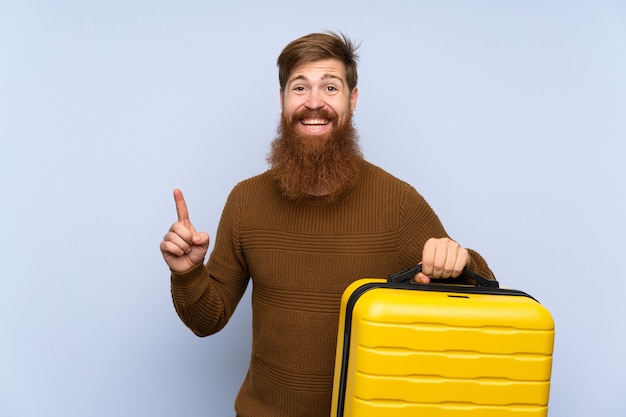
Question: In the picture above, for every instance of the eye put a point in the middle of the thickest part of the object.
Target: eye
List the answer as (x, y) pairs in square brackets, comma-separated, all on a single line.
[(298, 88), (332, 89)]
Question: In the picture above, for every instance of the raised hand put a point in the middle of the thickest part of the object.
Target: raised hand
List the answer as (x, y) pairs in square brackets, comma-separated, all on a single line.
[(182, 247), (442, 258)]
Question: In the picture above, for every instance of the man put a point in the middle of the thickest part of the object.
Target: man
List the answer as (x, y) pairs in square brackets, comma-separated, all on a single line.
[(318, 219)]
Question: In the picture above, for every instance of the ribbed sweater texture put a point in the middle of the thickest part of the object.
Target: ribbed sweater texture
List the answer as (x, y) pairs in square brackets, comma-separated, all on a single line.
[(300, 256)]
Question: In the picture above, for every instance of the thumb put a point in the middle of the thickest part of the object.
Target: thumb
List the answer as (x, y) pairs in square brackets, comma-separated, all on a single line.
[(421, 278), (201, 239)]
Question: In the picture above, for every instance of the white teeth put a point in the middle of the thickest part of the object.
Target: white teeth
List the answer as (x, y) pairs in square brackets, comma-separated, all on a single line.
[(315, 122)]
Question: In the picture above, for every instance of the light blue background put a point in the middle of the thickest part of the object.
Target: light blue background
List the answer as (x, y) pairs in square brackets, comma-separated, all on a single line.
[(508, 116)]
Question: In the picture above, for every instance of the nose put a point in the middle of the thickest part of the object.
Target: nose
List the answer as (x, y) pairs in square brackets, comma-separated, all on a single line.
[(314, 101)]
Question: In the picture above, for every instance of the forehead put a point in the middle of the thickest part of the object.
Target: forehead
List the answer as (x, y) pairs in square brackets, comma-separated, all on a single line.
[(319, 70)]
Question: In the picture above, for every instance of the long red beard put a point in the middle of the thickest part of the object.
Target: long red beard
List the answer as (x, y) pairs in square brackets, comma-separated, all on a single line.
[(310, 165)]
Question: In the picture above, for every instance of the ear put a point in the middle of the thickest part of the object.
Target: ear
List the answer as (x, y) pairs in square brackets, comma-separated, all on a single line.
[(281, 99), (353, 97)]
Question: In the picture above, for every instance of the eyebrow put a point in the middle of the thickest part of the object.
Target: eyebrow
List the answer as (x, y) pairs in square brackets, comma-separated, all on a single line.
[(324, 77)]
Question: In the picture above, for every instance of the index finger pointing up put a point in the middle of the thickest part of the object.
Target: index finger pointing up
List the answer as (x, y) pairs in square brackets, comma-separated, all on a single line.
[(181, 207)]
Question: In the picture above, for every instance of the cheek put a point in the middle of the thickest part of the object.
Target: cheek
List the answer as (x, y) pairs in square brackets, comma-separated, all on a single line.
[(344, 113), (289, 108), (342, 108), (291, 101)]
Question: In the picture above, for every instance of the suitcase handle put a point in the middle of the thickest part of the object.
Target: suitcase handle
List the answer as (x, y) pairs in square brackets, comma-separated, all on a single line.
[(467, 277)]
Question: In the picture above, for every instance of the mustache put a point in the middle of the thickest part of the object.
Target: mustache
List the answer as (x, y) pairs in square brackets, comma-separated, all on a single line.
[(314, 114)]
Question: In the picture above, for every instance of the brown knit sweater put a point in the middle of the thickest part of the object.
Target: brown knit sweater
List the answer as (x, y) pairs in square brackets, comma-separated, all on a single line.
[(300, 257)]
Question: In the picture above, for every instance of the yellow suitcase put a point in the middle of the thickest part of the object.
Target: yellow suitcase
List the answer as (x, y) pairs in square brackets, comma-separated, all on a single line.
[(407, 350)]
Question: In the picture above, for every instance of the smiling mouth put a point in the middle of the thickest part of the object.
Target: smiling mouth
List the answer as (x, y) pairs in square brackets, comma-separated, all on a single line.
[(315, 122)]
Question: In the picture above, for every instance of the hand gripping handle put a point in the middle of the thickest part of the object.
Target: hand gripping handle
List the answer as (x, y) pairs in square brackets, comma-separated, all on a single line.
[(467, 277)]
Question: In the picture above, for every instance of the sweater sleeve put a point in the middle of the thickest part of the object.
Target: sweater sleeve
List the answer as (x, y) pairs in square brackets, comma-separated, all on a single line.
[(206, 296), (418, 223)]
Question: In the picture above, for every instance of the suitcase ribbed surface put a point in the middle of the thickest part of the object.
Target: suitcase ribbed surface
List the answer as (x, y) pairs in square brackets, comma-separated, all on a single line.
[(446, 354)]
